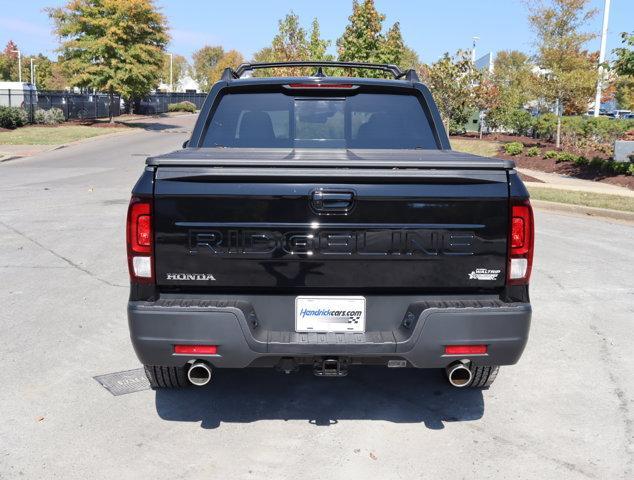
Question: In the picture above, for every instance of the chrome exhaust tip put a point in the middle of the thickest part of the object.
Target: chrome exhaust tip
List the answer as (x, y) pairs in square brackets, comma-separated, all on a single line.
[(199, 374), (459, 374)]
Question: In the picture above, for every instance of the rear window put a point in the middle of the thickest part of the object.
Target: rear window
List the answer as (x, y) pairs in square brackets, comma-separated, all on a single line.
[(276, 120)]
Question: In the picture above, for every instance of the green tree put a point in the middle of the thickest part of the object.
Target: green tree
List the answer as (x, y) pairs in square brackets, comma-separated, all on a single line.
[(393, 48), (364, 41), (264, 55), (205, 61), (513, 83), (317, 46), (48, 74), (230, 59), (42, 66), (112, 45), (289, 44), (569, 76), (625, 92), (59, 77), (9, 62), (292, 43), (452, 80), (624, 64), (180, 69), (410, 59), (512, 71)]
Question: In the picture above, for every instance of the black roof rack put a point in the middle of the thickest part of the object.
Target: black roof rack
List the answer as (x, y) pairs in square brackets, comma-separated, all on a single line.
[(410, 75)]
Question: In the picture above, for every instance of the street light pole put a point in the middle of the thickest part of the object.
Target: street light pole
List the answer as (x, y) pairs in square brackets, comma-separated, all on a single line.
[(171, 71), (604, 34), (473, 49), (19, 64)]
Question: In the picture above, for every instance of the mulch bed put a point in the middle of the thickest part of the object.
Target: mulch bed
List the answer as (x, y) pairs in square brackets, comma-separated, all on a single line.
[(549, 165), (96, 123)]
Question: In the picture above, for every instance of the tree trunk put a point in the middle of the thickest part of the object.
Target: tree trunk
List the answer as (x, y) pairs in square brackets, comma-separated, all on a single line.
[(110, 112), (480, 123), (558, 136)]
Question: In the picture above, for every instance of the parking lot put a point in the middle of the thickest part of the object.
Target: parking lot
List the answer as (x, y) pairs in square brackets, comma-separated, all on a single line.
[(565, 411)]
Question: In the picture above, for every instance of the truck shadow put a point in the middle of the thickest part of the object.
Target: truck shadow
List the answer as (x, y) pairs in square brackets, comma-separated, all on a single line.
[(367, 393)]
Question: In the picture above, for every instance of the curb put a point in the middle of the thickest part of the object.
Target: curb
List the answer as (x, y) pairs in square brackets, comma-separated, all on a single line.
[(583, 210), (17, 156)]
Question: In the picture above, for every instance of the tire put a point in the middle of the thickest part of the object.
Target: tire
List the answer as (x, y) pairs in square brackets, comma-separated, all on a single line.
[(166, 377), (483, 376)]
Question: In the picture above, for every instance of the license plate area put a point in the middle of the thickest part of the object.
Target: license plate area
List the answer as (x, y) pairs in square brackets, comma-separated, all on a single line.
[(329, 314)]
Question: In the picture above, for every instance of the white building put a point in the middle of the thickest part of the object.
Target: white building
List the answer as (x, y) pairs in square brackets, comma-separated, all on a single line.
[(184, 84)]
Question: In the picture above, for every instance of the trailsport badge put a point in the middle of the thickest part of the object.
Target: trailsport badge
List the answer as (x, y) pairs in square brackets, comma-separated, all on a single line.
[(484, 274)]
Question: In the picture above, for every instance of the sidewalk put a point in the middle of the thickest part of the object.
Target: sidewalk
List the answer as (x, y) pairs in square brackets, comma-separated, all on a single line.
[(562, 182), (8, 152)]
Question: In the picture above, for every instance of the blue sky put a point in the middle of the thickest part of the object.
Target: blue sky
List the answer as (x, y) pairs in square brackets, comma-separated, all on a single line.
[(429, 27)]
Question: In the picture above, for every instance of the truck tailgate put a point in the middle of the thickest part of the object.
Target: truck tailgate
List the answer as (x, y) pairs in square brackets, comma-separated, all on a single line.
[(326, 229)]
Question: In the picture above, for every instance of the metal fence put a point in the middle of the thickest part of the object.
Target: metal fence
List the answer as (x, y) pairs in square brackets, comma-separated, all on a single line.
[(73, 105), (158, 102), (91, 105)]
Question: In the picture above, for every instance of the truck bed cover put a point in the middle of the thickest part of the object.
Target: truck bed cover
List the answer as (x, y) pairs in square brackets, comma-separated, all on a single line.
[(340, 158)]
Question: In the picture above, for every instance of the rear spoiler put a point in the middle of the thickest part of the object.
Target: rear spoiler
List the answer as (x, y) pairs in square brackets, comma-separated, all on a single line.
[(410, 75)]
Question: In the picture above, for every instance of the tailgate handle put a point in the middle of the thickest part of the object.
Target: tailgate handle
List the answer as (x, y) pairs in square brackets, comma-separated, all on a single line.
[(332, 201)]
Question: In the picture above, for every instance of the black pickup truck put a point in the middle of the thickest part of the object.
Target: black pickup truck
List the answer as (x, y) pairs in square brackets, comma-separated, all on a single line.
[(325, 221)]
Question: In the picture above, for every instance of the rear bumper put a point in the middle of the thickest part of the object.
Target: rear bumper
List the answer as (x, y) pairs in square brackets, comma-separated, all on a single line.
[(244, 340)]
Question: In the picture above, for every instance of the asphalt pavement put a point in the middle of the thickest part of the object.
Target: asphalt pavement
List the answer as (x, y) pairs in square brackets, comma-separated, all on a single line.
[(565, 411)]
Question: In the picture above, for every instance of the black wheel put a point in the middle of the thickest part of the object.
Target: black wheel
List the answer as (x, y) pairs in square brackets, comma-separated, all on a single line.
[(483, 376), (166, 377)]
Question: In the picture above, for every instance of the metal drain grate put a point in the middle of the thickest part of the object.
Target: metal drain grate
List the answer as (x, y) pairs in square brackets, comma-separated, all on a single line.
[(120, 383)]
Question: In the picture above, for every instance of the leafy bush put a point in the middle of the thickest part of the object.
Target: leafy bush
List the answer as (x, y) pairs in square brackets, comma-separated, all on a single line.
[(619, 168), (550, 154), (12, 117), (545, 126), (532, 152), (565, 157), (49, 117), (596, 162), (582, 132), (592, 132), (55, 116), (39, 116), (181, 107), (514, 148), (520, 121), (581, 161)]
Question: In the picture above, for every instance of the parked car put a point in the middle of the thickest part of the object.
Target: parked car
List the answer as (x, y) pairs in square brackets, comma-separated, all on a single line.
[(620, 113), (326, 222)]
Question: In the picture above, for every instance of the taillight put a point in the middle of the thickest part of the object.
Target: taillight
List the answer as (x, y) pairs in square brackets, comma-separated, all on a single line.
[(320, 85), (140, 237), (521, 242)]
